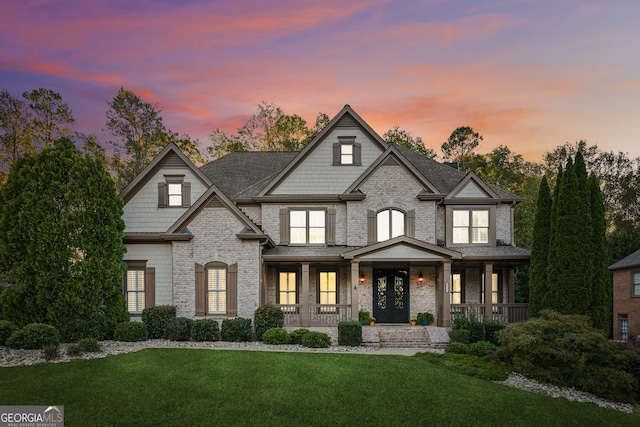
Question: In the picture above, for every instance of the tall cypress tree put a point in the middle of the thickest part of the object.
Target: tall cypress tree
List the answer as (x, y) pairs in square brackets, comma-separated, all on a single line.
[(570, 254), (538, 288), (61, 233), (601, 288)]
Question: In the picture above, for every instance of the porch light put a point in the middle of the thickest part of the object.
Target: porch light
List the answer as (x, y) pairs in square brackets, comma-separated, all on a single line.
[(361, 277), (420, 277)]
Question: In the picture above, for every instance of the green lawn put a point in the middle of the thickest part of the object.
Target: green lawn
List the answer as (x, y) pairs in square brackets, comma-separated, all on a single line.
[(194, 387)]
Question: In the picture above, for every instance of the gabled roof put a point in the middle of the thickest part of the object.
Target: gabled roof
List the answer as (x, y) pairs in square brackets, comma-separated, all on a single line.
[(250, 230), (472, 177), (346, 115), (403, 240), (170, 156), (392, 153), (628, 262)]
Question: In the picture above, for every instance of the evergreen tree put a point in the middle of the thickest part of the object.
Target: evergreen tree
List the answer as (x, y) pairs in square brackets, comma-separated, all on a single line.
[(61, 232), (569, 252), (601, 300), (540, 249)]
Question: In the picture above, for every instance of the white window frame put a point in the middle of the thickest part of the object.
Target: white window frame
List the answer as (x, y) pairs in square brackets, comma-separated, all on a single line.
[(288, 290), (328, 290), (390, 223), (623, 323), (456, 288), (135, 290), (465, 232), (635, 284), (346, 153), (305, 227), (216, 290)]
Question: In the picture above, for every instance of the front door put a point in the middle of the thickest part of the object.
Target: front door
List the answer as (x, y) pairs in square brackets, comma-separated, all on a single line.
[(391, 296)]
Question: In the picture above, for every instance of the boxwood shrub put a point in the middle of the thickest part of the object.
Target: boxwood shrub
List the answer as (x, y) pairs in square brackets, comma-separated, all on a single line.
[(457, 348), (482, 348), (266, 317), (236, 329), (205, 330), (156, 319), (89, 345), (295, 337), (178, 329), (34, 336), (350, 333), (276, 336), (314, 339), (6, 329), (130, 332)]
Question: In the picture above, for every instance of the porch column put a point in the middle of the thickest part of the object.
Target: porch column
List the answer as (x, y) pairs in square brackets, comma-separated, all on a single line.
[(488, 279), (510, 280), (444, 294), (355, 277), (304, 296)]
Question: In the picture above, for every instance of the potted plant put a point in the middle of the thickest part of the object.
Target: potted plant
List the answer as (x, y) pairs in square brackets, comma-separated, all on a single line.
[(425, 318), (363, 317), (372, 321), (413, 321)]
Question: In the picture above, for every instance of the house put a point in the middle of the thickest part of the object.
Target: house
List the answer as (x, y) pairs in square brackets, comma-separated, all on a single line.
[(350, 222), (626, 297)]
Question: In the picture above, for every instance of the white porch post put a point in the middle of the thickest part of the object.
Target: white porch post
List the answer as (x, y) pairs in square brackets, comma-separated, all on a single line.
[(444, 294), (355, 277), (304, 296), (488, 280)]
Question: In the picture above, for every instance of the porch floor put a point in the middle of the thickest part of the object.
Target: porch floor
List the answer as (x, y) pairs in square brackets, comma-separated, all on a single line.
[(394, 336)]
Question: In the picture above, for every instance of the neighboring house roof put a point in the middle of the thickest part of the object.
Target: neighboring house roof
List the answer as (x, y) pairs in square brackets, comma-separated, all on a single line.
[(631, 261)]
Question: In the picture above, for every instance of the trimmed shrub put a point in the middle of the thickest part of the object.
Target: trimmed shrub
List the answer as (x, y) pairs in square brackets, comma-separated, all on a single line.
[(457, 348), (460, 335), (205, 330), (34, 336), (275, 336), (314, 339), (89, 345), (236, 329), (50, 352), (491, 329), (156, 319), (73, 330), (296, 336), (6, 329), (350, 333), (481, 348), (266, 317), (178, 329), (130, 332), (567, 351), (74, 350)]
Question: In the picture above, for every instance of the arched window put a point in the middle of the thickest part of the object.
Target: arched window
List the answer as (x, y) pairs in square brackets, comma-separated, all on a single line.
[(390, 224)]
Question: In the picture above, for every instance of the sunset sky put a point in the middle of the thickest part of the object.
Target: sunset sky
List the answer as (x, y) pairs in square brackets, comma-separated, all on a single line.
[(529, 74)]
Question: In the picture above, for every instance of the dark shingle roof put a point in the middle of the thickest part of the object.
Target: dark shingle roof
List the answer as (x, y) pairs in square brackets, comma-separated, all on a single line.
[(631, 261), (242, 174)]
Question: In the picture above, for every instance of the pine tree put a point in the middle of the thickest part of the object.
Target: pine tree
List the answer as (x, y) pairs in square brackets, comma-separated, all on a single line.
[(538, 288), (570, 254), (601, 300), (61, 233)]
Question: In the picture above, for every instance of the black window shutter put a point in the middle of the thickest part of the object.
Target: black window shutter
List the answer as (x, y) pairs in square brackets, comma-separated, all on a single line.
[(163, 195), (336, 154), (411, 223), (232, 290), (372, 227), (149, 287), (284, 226), (186, 194), (331, 227), (357, 154), (201, 291)]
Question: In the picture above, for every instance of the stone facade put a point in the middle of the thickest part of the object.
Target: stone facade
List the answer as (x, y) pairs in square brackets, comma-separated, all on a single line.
[(625, 304)]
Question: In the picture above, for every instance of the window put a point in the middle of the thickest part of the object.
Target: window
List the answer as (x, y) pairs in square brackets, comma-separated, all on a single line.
[(174, 192), (347, 152), (287, 290), (635, 284), (328, 290), (307, 226), (135, 291), (623, 322), (390, 224), (495, 289), (216, 290), (470, 226), (456, 288)]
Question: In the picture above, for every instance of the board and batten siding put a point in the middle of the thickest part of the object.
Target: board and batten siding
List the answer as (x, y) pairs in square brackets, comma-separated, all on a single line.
[(141, 213), (316, 174), (159, 257)]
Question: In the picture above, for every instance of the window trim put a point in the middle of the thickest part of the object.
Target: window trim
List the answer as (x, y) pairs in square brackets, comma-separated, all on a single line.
[(390, 235), (470, 208), (295, 291), (164, 196), (462, 288), (222, 267), (307, 226), (497, 292), (633, 284), (319, 292), (148, 275), (621, 317), (356, 151)]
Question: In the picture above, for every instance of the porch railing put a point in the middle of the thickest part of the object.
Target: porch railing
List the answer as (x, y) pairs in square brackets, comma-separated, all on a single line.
[(319, 314), (508, 313)]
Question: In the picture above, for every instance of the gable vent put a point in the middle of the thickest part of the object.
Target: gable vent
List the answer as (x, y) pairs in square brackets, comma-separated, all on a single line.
[(214, 203), (347, 122), (172, 160)]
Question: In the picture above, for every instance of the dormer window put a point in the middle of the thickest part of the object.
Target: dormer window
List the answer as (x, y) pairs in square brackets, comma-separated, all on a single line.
[(471, 226), (347, 152), (174, 192)]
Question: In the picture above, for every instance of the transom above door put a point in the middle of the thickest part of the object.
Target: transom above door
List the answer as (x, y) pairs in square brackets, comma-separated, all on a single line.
[(391, 296)]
